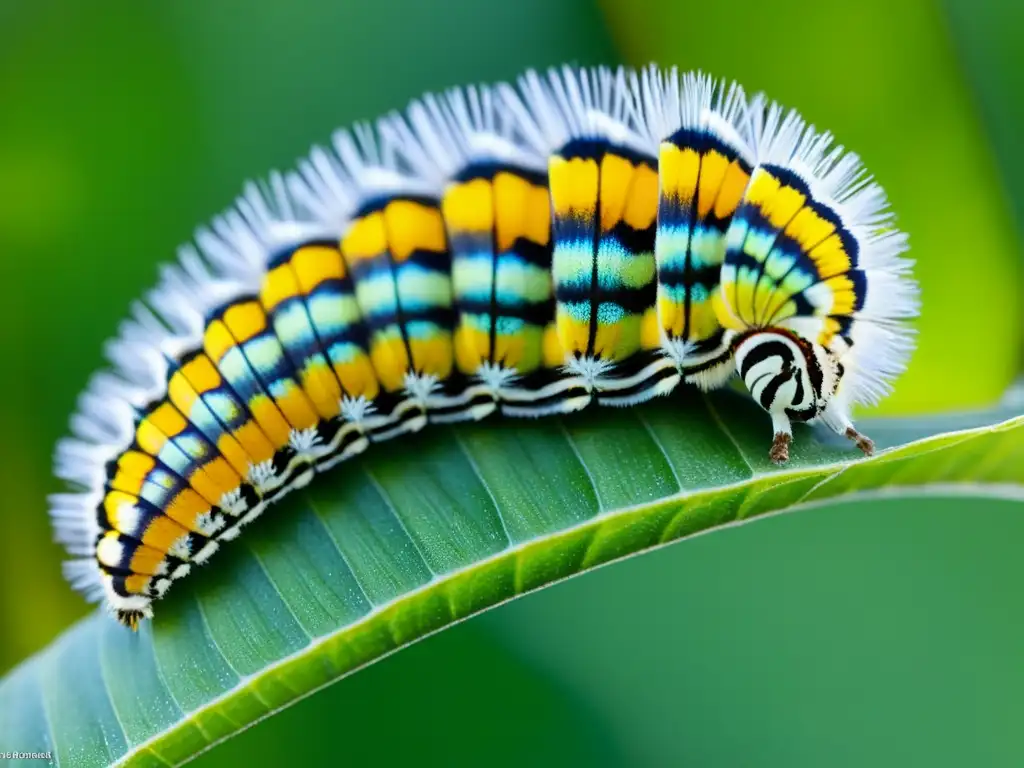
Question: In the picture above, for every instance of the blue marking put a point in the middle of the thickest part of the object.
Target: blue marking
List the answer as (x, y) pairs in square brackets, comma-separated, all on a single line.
[(609, 313), (225, 408), (578, 310), (509, 326)]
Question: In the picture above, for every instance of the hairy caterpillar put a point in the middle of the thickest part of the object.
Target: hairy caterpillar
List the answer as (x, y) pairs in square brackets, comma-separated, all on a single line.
[(584, 236)]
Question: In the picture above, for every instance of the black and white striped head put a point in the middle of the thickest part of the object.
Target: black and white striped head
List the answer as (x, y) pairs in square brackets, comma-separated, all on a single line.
[(794, 379), (787, 374)]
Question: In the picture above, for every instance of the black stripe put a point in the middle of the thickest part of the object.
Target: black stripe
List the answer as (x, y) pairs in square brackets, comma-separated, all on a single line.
[(771, 391), (528, 251), (798, 394), (610, 398), (596, 149), (443, 317), (217, 313), (712, 342), (635, 301), (437, 261), (488, 169), (380, 202), (634, 241), (707, 276), (471, 243), (538, 314), (327, 429), (537, 254), (703, 142), (762, 352), (814, 372), (802, 414), (284, 255), (382, 263)]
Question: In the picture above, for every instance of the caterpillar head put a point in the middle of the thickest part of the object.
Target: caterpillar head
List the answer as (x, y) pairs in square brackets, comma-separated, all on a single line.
[(794, 379)]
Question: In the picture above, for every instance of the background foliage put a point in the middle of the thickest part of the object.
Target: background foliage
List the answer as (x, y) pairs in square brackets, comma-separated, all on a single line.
[(872, 632)]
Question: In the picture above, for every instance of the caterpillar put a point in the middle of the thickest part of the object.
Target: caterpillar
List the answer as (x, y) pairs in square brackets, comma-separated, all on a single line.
[(581, 236)]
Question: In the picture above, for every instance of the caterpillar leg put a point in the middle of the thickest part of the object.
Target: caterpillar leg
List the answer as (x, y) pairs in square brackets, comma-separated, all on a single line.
[(783, 437), (839, 422), (865, 443)]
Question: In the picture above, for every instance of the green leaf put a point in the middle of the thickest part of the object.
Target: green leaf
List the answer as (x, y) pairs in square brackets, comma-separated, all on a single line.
[(430, 530)]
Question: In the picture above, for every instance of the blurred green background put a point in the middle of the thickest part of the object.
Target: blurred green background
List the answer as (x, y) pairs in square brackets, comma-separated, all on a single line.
[(870, 633)]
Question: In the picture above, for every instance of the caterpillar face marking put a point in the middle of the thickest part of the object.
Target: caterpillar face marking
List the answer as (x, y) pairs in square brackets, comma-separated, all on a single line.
[(794, 380), (530, 249)]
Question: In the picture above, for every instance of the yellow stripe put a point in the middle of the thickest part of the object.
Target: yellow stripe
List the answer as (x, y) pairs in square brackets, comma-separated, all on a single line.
[(722, 300), (315, 264), (366, 238), (358, 377), (703, 320), (217, 340), (781, 209), (616, 175), (321, 386), (523, 210), (273, 424), (279, 284), (185, 507), (135, 463), (432, 356), (763, 187), (146, 560), (413, 226), (223, 476), (149, 438), (828, 332), (137, 584), (235, 454), (472, 347), (672, 314), (573, 335), (712, 172), (245, 320), (830, 257), (162, 533), (167, 419), (574, 186), (619, 340), (678, 169), (764, 292), (650, 330), (202, 374), (296, 408), (252, 439), (112, 503), (390, 359), (642, 205), (844, 298), (554, 352), (808, 228), (469, 207), (127, 481), (181, 392), (522, 351), (731, 191)]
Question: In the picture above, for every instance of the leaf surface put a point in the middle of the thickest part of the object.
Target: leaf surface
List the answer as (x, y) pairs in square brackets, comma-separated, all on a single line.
[(426, 531)]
